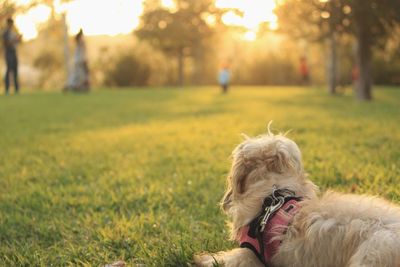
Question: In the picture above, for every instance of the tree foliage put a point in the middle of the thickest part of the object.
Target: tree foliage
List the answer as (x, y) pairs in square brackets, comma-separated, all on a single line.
[(180, 31), (368, 21), (9, 8), (127, 70), (312, 20), (319, 20), (315, 19)]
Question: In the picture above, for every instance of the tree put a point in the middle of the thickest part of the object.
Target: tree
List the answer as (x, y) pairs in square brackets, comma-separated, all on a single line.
[(58, 24), (181, 31), (52, 42), (370, 22), (127, 69), (319, 20), (10, 8), (7, 9)]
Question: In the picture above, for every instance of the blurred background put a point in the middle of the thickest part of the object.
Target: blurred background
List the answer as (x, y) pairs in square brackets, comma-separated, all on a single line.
[(158, 43), (135, 169)]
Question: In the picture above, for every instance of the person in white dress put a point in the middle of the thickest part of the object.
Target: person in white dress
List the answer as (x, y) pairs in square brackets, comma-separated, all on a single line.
[(79, 78)]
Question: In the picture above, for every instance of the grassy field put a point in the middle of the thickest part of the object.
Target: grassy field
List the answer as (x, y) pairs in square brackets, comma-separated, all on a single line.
[(137, 175)]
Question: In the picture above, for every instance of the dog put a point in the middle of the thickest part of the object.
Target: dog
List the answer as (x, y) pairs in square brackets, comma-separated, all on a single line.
[(334, 230)]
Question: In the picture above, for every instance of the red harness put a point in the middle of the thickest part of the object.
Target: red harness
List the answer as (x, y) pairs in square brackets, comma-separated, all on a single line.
[(264, 242)]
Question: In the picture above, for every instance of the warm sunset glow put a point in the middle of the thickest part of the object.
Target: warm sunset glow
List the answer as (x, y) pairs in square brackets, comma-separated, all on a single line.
[(168, 3), (106, 17), (112, 17), (27, 23), (250, 36), (253, 14)]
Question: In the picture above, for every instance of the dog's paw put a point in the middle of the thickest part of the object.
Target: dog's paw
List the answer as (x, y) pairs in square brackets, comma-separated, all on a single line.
[(116, 264), (206, 260)]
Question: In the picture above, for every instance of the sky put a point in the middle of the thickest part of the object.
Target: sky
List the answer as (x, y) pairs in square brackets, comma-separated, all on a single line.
[(112, 17)]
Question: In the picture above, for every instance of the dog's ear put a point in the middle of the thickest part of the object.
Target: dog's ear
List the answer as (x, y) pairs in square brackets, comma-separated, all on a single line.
[(238, 174)]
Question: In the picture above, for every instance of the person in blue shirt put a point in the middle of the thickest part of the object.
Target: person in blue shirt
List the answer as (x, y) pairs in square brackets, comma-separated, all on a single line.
[(223, 79), (10, 40)]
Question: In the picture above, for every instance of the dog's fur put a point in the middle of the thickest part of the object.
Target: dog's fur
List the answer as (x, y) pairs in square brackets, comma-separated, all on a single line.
[(331, 231)]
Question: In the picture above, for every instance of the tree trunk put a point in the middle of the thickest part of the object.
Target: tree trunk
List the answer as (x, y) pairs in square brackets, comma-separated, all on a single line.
[(364, 55), (197, 65), (181, 66), (332, 65), (66, 48)]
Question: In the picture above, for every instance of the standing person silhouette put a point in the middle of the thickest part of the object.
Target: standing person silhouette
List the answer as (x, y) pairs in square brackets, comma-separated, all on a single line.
[(304, 71), (223, 78), (79, 80), (10, 40)]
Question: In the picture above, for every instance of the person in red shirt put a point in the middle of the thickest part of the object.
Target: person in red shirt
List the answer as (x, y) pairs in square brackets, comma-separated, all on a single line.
[(304, 71)]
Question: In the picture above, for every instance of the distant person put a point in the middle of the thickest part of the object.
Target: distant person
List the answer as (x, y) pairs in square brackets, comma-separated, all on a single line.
[(10, 40), (223, 79), (304, 71), (79, 79), (355, 73)]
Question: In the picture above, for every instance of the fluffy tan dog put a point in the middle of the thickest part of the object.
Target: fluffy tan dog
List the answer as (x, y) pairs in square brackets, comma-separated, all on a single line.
[(335, 230)]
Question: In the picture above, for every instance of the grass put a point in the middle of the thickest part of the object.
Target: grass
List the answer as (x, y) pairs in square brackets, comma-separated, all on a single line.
[(136, 175)]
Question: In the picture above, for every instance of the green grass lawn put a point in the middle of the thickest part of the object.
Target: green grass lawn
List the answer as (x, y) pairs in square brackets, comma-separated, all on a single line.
[(137, 175)]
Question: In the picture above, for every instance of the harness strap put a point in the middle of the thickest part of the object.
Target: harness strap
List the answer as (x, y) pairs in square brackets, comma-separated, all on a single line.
[(256, 237)]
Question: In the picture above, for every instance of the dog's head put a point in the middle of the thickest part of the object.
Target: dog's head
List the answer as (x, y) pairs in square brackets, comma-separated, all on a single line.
[(259, 164)]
